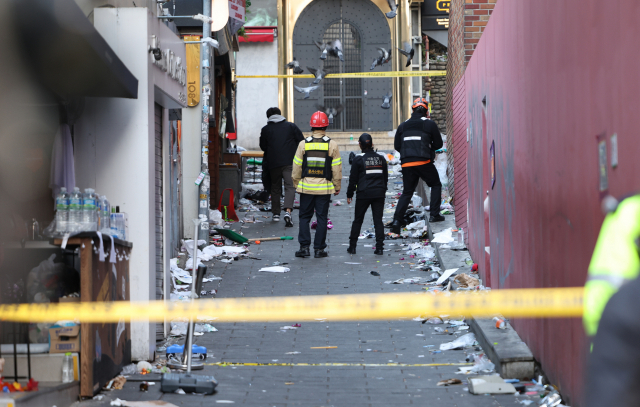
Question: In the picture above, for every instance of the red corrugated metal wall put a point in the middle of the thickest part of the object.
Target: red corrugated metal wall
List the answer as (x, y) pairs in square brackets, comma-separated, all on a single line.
[(555, 74), (459, 151)]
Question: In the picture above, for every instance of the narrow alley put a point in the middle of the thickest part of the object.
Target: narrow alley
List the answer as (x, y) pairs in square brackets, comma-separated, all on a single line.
[(367, 363)]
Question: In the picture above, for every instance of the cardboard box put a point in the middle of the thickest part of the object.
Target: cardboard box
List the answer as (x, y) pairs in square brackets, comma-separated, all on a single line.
[(64, 339)]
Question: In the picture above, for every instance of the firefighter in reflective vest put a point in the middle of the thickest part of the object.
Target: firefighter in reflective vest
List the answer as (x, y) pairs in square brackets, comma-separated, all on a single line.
[(317, 173), (615, 259), (417, 140), (369, 176)]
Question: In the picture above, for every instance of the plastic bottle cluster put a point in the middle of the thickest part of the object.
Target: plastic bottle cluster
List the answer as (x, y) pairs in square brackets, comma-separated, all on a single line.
[(78, 212)]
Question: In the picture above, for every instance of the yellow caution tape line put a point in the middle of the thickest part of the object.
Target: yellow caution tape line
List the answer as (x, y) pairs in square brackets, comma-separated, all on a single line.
[(253, 364), (523, 303), (387, 74)]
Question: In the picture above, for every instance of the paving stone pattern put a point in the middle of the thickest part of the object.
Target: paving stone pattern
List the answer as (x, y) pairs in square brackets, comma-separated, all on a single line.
[(358, 343)]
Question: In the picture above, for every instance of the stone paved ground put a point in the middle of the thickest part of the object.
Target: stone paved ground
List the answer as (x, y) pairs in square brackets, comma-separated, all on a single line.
[(360, 345)]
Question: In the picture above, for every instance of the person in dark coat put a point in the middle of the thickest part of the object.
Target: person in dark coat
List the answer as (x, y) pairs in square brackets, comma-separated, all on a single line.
[(369, 176), (416, 140), (279, 140)]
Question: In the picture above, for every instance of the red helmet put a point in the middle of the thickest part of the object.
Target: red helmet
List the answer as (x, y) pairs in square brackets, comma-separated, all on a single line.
[(319, 119), (420, 102)]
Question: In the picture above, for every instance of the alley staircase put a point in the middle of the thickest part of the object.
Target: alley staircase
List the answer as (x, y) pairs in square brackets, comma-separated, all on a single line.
[(381, 140)]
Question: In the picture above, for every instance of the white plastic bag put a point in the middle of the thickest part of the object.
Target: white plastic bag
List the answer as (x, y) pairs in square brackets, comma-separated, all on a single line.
[(215, 218), (461, 342), (416, 200)]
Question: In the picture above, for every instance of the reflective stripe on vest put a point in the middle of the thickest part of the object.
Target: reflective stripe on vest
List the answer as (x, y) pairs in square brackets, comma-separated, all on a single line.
[(336, 161), (615, 281), (316, 187), (316, 161), (413, 138), (374, 171), (297, 161)]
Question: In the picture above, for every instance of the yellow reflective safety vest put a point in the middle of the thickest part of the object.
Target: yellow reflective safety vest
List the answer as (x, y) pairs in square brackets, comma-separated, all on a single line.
[(317, 166), (615, 260)]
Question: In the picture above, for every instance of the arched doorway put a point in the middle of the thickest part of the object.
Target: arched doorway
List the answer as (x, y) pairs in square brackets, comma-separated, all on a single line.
[(362, 29)]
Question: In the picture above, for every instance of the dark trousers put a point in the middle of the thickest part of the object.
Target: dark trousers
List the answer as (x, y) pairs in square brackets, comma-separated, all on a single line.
[(278, 175), (377, 207), (410, 177), (308, 204)]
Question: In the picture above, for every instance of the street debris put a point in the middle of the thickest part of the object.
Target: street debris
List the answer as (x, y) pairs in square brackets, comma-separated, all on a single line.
[(466, 281), (374, 273), (460, 343), (275, 269), (449, 382), (490, 385)]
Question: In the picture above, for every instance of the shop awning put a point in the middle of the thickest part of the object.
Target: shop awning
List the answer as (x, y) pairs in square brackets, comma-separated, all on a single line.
[(258, 34), (66, 53)]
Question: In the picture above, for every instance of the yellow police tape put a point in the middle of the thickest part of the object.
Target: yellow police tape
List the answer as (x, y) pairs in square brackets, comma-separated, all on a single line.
[(253, 364), (526, 303), (387, 74)]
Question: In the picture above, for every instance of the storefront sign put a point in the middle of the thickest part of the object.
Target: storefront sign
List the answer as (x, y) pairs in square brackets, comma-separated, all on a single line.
[(435, 14), (237, 10), (170, 63), (193, 70)]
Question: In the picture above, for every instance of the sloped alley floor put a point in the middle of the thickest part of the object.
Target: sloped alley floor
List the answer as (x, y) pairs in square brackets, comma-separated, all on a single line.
[(356, 373)]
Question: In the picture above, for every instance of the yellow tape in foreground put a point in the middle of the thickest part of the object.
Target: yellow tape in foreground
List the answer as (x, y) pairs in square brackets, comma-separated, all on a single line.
[(387, 74), (534, 303)]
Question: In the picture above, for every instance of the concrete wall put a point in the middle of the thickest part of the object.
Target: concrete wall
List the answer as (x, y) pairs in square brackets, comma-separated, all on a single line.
[(255, 96), (550, 91), (115, 151)]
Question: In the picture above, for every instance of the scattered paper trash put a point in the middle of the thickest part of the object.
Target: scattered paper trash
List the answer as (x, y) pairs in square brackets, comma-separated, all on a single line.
[(445, 275), (275, 269), (461, 342), (443, 237)]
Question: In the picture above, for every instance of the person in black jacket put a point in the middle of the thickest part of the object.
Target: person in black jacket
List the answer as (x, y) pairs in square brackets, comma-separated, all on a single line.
[(369, 176), (279, 140), (417, 140)]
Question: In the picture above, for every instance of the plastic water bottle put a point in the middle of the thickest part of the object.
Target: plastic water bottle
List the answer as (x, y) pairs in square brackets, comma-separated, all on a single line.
[(351, 138), (89, 210), (67, 368), (75, 211), (62, 211), (113, 223), (105, 215)]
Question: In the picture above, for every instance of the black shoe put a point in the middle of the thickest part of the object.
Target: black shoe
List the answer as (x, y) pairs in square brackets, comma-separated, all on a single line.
[(351, 249), (303, 252), (379, 251), (395, 227), (320, 253), (437, 218)]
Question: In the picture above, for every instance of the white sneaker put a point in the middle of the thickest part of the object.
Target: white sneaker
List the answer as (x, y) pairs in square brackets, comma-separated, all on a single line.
[(288, 220), (276, 218)]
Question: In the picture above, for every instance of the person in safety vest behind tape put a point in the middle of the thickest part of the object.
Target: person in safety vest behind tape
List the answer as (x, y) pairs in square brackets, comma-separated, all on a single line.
[(615, 258), (417, 139), (369, 176), (611, 304), (317, 173)]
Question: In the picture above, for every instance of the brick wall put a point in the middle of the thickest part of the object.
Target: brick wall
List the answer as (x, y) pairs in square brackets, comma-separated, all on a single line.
[(467, 20)]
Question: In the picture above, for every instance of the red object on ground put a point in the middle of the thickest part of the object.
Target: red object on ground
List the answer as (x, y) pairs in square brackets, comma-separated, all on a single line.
[(228, 211), (232, 136), (258, 34), (474, 267)]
